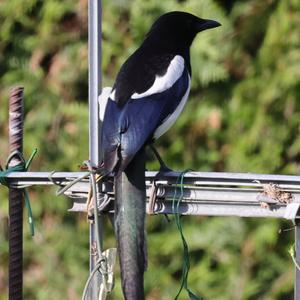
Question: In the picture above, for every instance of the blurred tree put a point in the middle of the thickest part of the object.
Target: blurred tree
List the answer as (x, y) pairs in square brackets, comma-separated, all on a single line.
[(242, 115)]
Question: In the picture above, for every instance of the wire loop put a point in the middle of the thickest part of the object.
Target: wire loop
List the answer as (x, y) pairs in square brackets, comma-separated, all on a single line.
[(186, 260), (21, 166)]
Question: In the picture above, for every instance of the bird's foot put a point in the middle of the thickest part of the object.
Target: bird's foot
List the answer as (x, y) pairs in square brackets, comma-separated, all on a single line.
[(163, 167), (162, 172)]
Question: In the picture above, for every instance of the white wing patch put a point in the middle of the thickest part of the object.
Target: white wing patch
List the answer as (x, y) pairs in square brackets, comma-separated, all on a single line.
[(162, 83), (170, 120), (102, 100)]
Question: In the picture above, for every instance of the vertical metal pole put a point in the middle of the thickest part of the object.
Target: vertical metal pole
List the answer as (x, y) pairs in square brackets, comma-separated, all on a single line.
[(297, 271), (94, 45), (15, 264), (94, 78)]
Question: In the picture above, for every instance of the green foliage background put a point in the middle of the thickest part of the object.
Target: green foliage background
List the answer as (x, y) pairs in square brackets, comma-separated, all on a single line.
[(243, 115)]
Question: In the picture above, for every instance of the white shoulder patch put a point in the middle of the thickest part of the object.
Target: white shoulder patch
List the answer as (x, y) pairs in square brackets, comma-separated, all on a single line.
[(162, 83), (102, 100)]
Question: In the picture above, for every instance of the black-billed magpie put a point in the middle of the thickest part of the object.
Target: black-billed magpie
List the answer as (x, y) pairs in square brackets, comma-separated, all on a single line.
[(149, 94), (151, 88)]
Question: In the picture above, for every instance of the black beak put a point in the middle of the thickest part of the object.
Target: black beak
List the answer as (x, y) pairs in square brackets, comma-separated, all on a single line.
[(207, 24)]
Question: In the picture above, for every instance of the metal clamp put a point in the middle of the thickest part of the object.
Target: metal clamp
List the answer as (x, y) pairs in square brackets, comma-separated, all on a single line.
[(152, 198)]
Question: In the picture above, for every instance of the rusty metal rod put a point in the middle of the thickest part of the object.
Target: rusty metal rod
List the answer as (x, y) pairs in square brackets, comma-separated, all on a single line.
[(15, 268)]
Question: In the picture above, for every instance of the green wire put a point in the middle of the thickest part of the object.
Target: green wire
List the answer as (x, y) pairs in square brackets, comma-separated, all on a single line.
[(3, 174), (29, 212), (31, 157), (26, 195), (23, 166), (186, 259), (292, 253)]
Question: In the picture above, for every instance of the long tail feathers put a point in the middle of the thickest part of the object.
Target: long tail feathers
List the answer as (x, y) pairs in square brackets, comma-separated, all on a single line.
[(130, 203)]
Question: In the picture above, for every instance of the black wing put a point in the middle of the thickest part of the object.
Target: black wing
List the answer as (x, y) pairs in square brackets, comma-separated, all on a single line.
[(138, 73), (128, 128)]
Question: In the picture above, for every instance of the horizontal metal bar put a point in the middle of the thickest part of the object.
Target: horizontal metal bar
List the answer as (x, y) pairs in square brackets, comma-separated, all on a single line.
[(190, 177), (193, 194), (212, 202), (219, 210), (226, 177), (218, 190), (42, 178), (213, 209), (204, 193), (219, 194)]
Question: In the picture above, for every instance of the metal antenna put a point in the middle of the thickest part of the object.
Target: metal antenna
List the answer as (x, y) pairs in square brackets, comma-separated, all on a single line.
[(94, 45)]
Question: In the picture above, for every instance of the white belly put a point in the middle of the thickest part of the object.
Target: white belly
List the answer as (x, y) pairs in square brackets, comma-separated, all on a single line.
[(170, 120)]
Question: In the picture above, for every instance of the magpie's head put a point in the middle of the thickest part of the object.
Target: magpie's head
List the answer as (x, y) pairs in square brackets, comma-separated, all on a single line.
[(179, 28)]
